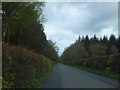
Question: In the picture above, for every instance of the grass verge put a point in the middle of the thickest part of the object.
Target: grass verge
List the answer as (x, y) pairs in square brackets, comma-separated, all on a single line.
[(38, 83), (102, 73)]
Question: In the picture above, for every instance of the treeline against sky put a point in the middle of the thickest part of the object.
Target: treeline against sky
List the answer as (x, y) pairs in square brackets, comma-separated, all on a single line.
[(27, 54), (23, 24), (101, 54)]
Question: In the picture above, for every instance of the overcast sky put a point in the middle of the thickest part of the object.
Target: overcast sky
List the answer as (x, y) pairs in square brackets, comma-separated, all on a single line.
[(66, 21)]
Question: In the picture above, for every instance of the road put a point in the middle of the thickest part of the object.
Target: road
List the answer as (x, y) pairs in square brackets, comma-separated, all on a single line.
[(64, 76)]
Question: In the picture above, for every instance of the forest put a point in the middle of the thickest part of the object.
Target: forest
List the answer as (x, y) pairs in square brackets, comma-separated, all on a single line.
[(101, 54), (28, 57)]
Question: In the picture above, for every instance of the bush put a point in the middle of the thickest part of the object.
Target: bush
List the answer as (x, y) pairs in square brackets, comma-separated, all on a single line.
[(21, 66)]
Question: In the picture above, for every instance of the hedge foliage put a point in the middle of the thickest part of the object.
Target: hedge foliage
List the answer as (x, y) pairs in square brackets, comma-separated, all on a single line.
[(109, 63), (21, 66)]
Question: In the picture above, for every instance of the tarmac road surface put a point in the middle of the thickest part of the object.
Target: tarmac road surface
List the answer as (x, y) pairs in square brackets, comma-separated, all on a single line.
[(64, 76)]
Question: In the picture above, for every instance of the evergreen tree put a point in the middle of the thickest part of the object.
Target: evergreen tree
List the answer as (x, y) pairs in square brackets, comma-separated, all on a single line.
[(105, 39), (112, 40), (118, 44), (82, 39), (87, 44), (79, 39), (17, 17), (95, 38)]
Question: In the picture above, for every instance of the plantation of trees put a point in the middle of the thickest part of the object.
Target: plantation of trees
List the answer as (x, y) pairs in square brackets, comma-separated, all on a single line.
[(102, 54), (27, 54), (23, 24)]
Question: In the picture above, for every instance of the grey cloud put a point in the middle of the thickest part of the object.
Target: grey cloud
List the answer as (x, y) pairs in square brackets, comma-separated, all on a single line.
[(100, 14), (65, 21)]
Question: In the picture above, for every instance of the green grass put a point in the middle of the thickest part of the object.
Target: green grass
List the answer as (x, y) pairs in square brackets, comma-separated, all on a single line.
[(102, 73), (38, 83)]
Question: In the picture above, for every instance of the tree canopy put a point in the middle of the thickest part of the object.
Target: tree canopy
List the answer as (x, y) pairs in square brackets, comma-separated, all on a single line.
[(95, 53), (23, 24)]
